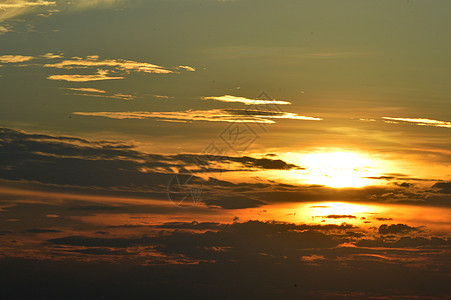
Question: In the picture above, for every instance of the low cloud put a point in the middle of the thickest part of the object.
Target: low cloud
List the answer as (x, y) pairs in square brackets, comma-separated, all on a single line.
[(396, 229), (247, 101)]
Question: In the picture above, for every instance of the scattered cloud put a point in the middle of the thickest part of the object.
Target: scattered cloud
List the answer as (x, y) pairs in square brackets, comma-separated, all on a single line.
[(163, 97), (15, 58), (396, 229), (214, 115), (420, 121), (247, 101), (89, 90), (52, 56), (187, 68), (119, 64), (101, 75)]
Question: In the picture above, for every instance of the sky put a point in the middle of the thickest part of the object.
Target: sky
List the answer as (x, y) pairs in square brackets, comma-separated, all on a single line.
[(225, 149)]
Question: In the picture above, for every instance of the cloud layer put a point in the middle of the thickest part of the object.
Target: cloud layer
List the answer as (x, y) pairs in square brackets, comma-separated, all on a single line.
[(214, 115), (247, 101)]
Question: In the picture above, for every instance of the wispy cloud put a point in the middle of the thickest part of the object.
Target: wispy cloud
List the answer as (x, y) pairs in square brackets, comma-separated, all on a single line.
[(94, 4), (214, 115), (163, 97), (21, 4), (15, 58), (13, 8), (51, 56), (89, 90), (101, 75), (187, 68), (92, 92), (114, 96), (247, 101), (420, 121), (120, 64)]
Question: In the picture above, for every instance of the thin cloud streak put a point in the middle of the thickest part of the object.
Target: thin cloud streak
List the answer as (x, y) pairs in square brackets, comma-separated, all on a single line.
[(214, 115), (101, 75), (120, 64), (89, 90), (247, 101), (420, 121)]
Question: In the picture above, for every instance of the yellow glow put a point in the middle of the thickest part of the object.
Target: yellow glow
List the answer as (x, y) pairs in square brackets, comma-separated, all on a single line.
[(339, 169), (340, 208)]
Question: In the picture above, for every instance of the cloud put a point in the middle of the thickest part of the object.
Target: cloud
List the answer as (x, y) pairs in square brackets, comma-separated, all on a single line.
[(113, 96), (20, 4), (101, 75), (51, 56), (13, 8), (444, 187), (89, 90), (420, 121), (94, 4), (340, 217), (187, 68), (214, 115), (247, 101), (40, 230), (396, 229), (120, 167), (15, 58), (119, 64)]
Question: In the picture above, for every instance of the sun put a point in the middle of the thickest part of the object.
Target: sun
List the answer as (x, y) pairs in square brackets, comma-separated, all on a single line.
[(338, 169)]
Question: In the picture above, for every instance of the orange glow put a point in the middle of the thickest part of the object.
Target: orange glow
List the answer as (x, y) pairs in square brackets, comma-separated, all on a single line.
[(339, 169)]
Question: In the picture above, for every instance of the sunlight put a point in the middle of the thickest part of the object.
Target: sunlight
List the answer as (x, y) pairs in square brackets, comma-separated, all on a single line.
[(338, 169), (340, 208)]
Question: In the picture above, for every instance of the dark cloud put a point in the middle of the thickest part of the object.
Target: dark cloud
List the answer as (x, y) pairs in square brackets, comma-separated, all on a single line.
[(340, 217), (68, 161), (396, 229), (444, 187), (256, 259), (94, 208)]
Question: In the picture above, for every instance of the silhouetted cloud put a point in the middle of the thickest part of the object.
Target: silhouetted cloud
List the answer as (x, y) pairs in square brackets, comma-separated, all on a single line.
[(444, 187), (396, 229)]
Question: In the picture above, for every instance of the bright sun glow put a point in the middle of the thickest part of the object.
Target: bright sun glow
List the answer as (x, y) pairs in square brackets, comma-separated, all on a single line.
[(340, 208), (338, 169)]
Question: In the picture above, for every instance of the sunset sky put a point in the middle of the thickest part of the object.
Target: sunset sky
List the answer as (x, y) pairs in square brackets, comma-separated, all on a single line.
[(231, 149)]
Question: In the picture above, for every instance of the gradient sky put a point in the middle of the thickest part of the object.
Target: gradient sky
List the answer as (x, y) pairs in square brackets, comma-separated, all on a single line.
[(272, 148)]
